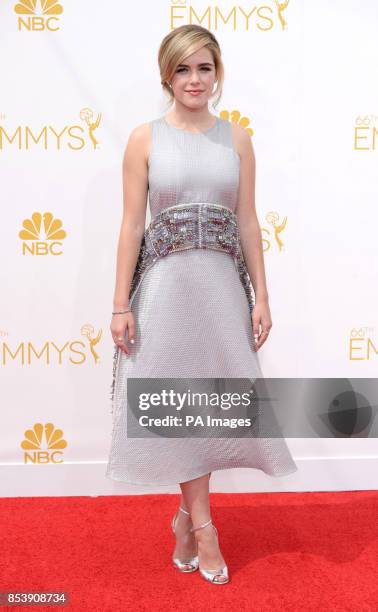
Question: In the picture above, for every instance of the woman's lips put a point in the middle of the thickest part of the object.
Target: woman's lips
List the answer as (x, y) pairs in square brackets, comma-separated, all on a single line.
[(194, 93)]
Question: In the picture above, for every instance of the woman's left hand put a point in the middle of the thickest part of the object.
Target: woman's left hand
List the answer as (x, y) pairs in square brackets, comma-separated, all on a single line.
[(261, 323)]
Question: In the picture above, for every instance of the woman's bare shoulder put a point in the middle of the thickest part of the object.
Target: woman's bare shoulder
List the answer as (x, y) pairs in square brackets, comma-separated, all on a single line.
[(141, 130), (140, 134), (241, 140), (140, 139)]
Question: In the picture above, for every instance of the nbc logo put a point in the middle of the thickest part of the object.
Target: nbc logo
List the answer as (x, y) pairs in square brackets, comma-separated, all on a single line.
[(38, 16), (236, 117), (42, 241), (43, 444)]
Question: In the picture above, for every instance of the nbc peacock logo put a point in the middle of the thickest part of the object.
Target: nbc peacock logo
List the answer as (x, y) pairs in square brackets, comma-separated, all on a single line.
[(235, 116), (43, 444), (36, 16), (42, 234), (263, 17)]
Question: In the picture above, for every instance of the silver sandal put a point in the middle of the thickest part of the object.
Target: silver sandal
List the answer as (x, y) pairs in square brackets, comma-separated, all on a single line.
[(208, 574), (184, 565)]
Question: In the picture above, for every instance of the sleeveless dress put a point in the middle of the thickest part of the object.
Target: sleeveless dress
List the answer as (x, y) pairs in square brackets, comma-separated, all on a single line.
[(192, 319)]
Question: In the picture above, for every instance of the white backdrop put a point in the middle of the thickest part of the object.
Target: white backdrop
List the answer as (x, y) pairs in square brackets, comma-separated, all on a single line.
[(75, 80)]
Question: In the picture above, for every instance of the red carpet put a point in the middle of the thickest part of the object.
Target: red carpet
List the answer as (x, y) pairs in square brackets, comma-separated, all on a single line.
[(285, 551)]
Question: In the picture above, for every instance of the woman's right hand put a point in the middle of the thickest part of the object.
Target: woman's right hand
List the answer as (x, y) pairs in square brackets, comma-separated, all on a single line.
[(121, 323)]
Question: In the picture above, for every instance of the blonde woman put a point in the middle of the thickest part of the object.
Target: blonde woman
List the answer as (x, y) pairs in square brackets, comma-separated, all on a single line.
[(190, 289)]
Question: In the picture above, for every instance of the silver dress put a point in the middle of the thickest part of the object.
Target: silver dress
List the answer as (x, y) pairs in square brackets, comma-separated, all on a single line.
[(192, 320)]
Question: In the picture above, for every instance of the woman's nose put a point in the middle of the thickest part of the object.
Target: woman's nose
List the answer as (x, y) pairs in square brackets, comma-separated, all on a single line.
[(194, 80)]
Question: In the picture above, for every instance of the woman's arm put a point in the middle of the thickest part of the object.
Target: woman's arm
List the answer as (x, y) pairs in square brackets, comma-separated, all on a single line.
[(135, 190), (249, 228), (250, 231)]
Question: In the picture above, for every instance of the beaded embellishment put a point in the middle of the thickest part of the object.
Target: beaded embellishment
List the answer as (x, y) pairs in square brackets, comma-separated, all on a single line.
[(189, 226)]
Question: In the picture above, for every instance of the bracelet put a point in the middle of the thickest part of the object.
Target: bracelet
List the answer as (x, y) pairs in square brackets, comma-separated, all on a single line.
[(121, 311)]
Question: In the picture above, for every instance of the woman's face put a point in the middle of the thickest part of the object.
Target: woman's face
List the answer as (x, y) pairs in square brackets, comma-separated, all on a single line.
[(193, 81)]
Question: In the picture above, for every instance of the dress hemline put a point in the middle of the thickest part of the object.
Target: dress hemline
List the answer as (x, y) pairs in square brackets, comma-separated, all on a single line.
[(196, 475)]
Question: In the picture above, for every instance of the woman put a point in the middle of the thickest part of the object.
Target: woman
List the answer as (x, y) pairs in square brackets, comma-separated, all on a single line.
[(183, 288)]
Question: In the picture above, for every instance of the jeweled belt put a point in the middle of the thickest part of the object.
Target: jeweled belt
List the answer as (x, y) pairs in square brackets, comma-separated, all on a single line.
[(192, 226), (188, 226)]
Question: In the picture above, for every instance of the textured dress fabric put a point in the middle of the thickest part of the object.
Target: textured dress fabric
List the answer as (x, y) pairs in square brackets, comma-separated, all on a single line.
[(192, 320)]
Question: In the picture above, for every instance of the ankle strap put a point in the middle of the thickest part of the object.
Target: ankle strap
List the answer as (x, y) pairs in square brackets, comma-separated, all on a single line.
[(201, 526), (184, 511)]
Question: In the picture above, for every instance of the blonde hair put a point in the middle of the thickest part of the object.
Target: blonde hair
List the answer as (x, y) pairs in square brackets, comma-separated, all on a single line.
[(180, 43)]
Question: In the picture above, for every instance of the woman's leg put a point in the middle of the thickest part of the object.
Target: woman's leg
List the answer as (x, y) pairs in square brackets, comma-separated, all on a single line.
[(182, 499), (186, 545), (195, 498)]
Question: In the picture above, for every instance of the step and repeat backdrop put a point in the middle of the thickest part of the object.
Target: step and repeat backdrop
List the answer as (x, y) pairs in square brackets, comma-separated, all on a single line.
[(76, 77)]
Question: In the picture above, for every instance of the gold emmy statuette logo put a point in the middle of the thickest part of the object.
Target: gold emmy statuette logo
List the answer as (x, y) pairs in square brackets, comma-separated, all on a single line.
[(237, 17), (361, 346), (86, 114), (281, 6), (365, 133), (42, 241), (47, 436), (87, 330), (38, 16), (273, 220)]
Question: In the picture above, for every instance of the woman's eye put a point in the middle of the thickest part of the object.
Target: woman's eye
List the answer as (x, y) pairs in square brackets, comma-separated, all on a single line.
[(205, 68)]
